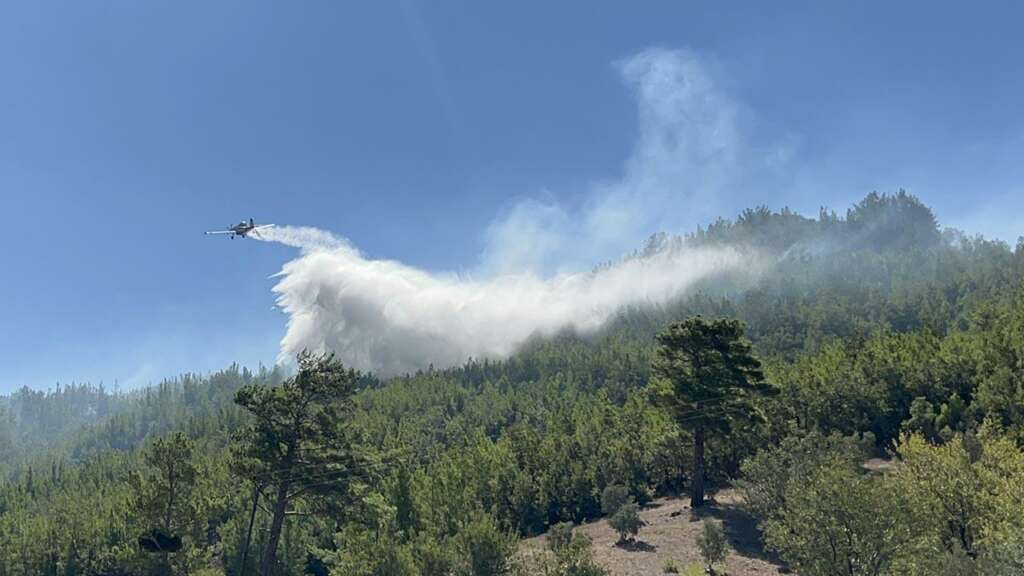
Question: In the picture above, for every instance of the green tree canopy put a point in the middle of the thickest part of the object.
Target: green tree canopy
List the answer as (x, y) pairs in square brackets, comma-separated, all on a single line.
[(707, 376), (301, 447)]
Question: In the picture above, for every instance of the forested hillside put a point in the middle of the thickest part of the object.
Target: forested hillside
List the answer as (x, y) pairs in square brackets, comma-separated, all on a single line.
[(878, 333)]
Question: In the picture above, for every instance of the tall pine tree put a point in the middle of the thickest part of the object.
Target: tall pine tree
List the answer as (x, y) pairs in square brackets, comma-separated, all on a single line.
[(300, 448), (707, 376)]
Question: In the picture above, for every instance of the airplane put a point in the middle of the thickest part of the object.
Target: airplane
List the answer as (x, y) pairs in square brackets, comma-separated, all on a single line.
[(243, 229)]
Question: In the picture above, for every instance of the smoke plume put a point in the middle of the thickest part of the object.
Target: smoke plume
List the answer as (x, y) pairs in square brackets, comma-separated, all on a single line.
[(391, 318), (687, 152)]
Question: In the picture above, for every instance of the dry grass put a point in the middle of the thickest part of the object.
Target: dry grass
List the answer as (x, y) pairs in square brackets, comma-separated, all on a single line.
[(671, 533)]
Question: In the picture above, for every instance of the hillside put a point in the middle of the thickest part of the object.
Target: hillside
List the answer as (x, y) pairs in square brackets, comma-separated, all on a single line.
[(881, 334)]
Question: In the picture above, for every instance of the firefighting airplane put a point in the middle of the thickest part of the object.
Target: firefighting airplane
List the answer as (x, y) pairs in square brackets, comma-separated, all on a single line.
[(243, 229)]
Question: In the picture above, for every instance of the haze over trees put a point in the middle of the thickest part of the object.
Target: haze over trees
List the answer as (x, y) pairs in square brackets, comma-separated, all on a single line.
[(883, 335)]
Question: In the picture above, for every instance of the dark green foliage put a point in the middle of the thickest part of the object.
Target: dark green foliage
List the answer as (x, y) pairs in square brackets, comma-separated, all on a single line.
[(707, 377), (165, 500), (485, 549), (300, 448), (613, 498), (570, 555), (626, 521), (164, 494), (623, 513), (560, 536)]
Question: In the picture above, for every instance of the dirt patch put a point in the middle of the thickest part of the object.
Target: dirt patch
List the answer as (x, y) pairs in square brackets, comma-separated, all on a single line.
[(671, 533)]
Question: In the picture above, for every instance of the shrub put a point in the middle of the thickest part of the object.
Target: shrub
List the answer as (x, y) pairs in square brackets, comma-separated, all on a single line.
[(627, 521), (485, 549), (560, 536), (712, 544), (571, 559)]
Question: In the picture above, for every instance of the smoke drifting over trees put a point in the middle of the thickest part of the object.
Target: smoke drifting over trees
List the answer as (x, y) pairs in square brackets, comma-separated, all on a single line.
[(390, 318)]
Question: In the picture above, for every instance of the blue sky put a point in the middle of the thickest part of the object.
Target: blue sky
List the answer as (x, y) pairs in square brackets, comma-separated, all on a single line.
[(417, 130)]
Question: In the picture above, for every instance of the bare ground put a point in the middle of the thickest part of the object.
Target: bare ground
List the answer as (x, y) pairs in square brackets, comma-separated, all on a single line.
[(671, 533)]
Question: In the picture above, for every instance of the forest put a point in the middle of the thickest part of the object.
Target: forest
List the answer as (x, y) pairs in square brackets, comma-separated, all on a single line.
[(874, 335)]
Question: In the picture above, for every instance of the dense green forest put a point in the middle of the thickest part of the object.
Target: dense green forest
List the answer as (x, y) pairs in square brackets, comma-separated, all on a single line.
[(873, 334)]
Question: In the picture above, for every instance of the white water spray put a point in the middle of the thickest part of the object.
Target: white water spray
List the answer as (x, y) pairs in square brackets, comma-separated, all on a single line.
[(390, 318)]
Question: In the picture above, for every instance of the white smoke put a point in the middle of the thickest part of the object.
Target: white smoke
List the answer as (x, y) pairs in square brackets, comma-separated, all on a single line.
[(687, 154), (302, 237), (390, 318)]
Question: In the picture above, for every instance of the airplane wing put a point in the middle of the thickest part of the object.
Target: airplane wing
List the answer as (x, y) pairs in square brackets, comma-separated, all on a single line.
[(220, 232), (256, 231)]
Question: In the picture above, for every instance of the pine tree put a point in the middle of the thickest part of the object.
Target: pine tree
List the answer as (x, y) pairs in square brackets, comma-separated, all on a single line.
[(300, 447), (706, 375), (164, 494)]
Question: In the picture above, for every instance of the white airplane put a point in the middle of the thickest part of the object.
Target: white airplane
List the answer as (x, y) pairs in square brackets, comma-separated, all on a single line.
[(243, 229)]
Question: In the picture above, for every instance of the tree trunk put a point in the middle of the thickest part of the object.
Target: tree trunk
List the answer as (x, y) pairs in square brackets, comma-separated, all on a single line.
[(697, 491), (168, 516), (248, 534), (268, 565)]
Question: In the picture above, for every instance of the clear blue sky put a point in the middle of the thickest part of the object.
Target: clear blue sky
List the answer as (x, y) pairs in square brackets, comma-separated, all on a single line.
[(128, 128)]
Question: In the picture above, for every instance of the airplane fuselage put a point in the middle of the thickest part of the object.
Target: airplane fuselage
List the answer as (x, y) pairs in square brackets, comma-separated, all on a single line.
[(242, 229)]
